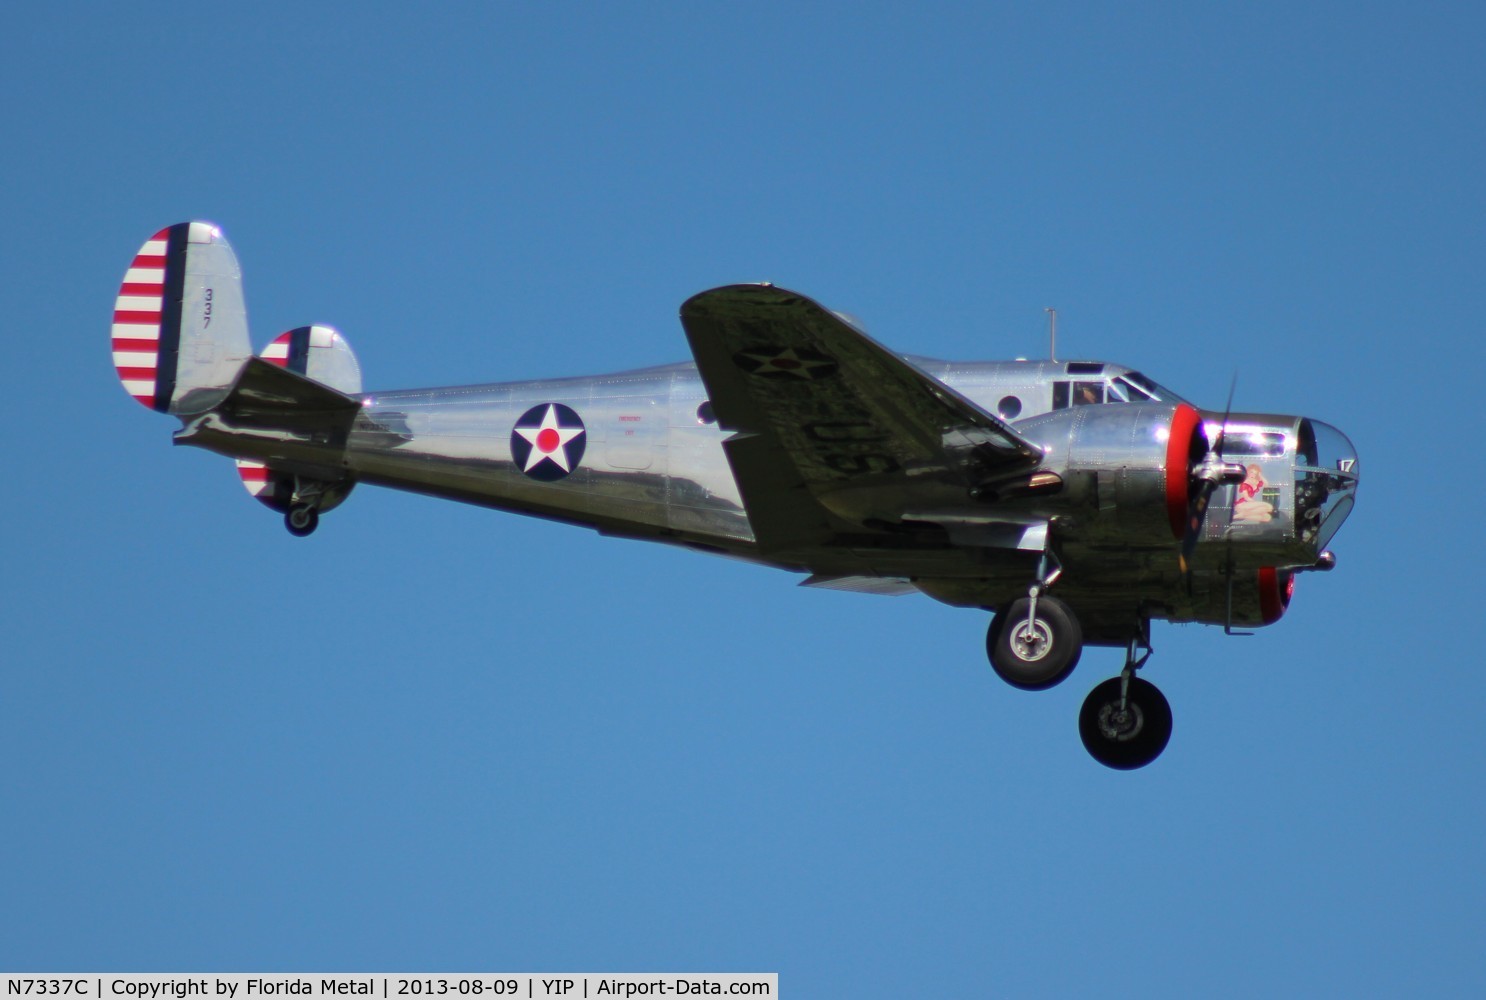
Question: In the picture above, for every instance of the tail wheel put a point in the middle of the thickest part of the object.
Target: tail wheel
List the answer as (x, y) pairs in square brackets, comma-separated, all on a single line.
[(1125, 731), (302, 520), (1036, 654)]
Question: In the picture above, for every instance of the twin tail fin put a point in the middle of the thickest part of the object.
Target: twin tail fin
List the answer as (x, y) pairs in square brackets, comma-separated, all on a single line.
[(181, 346), (180, 329)]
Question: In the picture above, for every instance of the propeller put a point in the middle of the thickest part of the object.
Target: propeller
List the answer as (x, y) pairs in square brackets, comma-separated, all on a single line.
[(1204, 476)]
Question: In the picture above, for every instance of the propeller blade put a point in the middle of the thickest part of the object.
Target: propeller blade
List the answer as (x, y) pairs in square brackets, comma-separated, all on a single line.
[(1227, 412), (1203, 479)]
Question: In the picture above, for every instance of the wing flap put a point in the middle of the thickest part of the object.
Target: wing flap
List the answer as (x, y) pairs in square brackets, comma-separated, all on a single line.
[(885, 586)]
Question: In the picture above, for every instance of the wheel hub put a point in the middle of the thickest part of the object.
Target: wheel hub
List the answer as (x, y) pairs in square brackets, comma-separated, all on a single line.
[(1031, 644), (1120, 724)]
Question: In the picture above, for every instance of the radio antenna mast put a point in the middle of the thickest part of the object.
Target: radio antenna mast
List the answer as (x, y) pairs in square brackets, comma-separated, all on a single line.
[(1052, 352)]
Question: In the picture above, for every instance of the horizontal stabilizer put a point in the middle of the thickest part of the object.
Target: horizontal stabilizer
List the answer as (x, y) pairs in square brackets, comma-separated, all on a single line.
[(284, 420), (267, 395), (320, 353)]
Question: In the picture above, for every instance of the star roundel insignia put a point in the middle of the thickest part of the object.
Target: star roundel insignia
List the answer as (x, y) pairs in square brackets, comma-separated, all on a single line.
[(547, 442), (785, 363)]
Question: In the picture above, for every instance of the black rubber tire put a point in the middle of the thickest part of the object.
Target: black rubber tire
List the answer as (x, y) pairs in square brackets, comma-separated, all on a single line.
[(1134, 740), (1052, 659), (302, 521)]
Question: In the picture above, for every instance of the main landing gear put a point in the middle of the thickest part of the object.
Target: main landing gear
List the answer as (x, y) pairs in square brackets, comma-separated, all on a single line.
[(1035, 642)]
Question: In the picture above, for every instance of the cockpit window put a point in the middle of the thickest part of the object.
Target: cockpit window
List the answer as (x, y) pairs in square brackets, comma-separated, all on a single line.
[(1131, 387), (1126, 391), (1153, 390)]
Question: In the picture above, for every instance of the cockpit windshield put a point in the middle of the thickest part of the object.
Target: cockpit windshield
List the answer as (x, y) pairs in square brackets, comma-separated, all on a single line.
[(1122, 390), (1129, 387), (1143, 389)]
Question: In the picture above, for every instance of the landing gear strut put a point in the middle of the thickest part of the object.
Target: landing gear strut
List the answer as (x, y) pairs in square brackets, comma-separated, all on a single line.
[(1126, 721), (1034, 642)]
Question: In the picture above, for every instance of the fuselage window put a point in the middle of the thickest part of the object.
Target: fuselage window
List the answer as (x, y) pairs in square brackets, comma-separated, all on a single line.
[(1010, 407), (1067, 394), (1261, 442)]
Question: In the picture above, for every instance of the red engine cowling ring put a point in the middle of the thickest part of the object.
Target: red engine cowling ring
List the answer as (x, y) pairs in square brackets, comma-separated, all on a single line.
[(1186, 435), (1276, 587)]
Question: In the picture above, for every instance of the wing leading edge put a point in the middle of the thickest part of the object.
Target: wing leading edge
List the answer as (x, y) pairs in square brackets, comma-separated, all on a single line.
[(835, 434)]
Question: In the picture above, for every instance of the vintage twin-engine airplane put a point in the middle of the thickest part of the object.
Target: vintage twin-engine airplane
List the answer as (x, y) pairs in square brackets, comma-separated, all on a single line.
[(1075, 500)]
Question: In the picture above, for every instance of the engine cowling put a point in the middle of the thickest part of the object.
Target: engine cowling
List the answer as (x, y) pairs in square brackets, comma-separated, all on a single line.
[(1129, 468)]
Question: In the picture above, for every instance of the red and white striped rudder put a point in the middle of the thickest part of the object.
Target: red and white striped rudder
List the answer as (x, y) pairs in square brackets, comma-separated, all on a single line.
[(180, 329)]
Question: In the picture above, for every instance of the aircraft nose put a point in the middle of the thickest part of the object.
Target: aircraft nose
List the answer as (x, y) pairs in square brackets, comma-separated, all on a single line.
[(1326, 475)]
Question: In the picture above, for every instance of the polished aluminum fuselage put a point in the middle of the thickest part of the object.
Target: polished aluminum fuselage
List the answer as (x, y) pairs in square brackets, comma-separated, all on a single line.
[(653, 467)]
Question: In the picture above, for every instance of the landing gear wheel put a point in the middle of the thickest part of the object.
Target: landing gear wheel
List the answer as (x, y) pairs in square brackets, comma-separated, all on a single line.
[(1038, 654), (301, 520), (1125, 733)]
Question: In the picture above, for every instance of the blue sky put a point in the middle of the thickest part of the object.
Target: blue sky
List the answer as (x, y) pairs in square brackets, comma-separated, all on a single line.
[(433, 737)]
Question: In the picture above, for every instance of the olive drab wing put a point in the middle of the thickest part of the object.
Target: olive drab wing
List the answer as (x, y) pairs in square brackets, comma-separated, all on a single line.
[(833, 434)]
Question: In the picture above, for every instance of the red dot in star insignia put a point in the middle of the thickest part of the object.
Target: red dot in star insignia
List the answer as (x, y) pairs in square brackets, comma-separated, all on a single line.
[(786, 363), (547, 441)]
